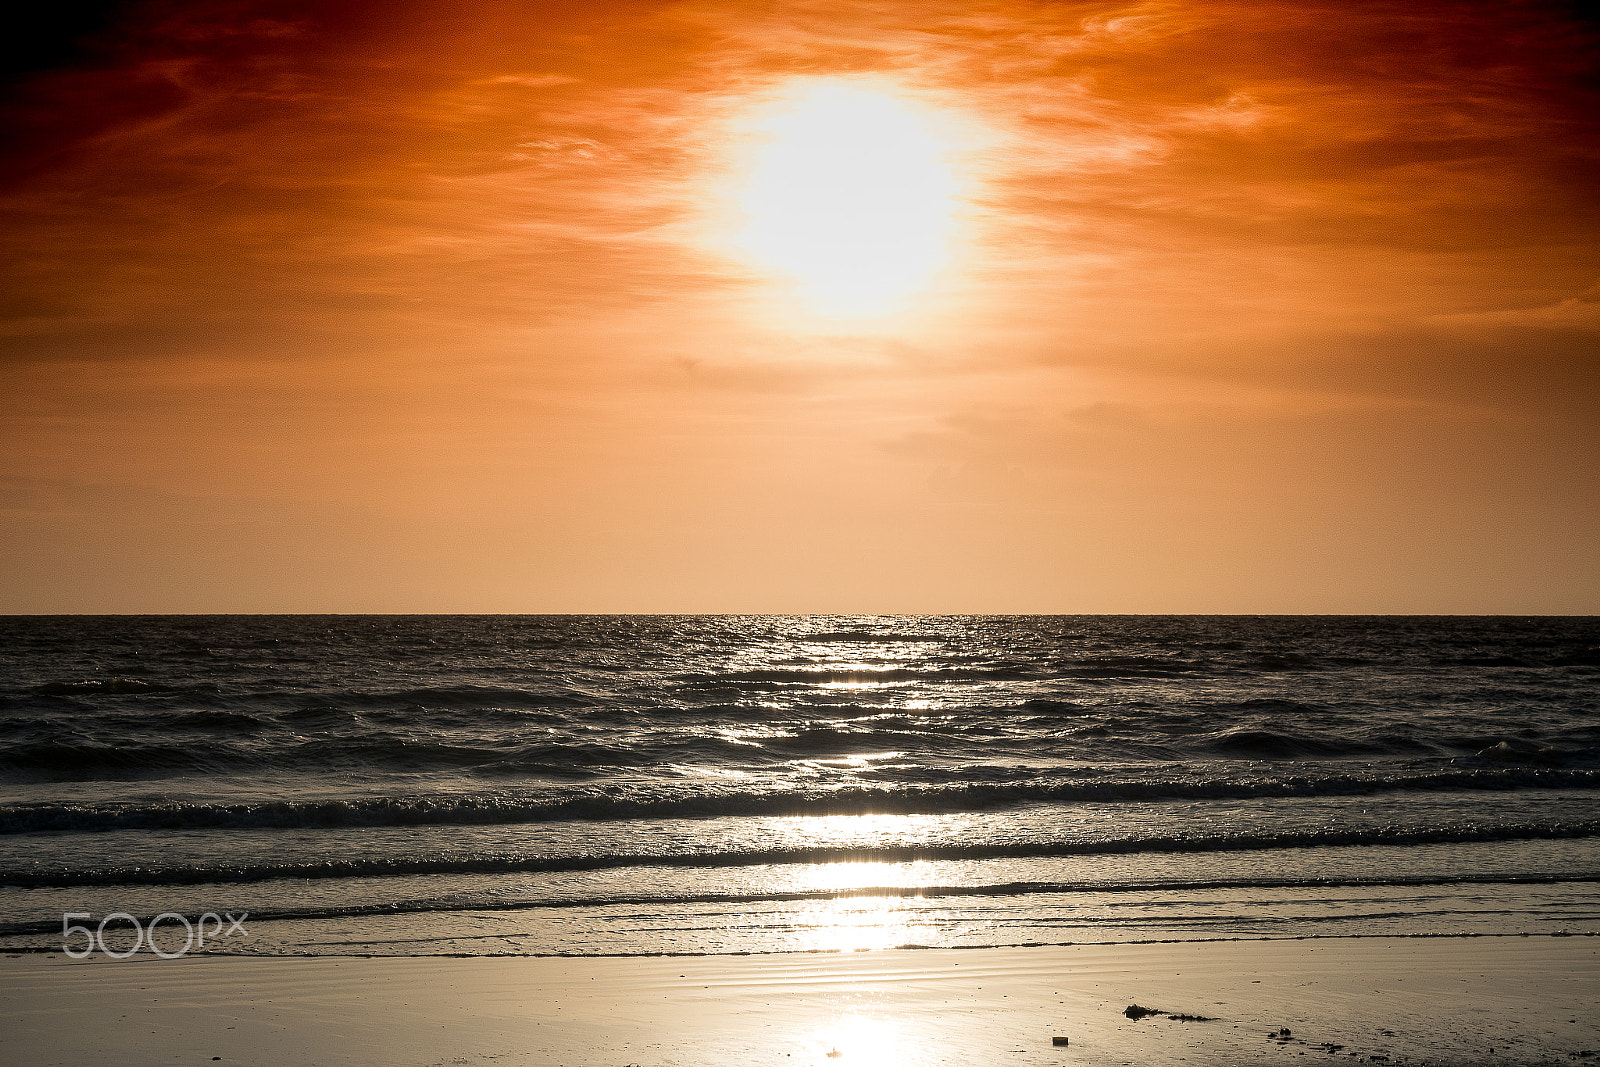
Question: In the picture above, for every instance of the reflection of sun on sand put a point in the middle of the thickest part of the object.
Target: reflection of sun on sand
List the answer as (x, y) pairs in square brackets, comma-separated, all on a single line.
[(860, 1039), (1434, 1000)]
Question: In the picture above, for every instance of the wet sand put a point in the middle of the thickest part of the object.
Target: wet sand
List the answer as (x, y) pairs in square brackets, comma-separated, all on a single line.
[(1484, 1000)]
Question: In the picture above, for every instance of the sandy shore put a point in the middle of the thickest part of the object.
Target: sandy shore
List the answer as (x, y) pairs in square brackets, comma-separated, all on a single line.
[(1513, 1000)]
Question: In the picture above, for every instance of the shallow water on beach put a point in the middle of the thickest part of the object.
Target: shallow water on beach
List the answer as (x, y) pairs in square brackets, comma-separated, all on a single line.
[(605, 785)]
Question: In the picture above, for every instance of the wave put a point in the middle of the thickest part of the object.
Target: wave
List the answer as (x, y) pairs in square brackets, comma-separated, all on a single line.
[(873, 637), (470, 697), (785, 676), (932, 745), (82, 759), (114, 686), (550, 692), (513, 862), (73, 760), (606, 801), (1272, 744), (1581, 656), (934, 892)]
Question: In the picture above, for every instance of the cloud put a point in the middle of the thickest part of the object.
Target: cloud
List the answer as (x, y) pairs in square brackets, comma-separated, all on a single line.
[(416, 252), (1573, 313)]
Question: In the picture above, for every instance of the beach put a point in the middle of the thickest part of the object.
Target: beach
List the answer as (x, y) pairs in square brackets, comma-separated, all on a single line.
[(1456, 1001), (707, 840)]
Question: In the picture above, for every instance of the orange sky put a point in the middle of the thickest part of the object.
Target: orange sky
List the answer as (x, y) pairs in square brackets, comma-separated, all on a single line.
[(1236, 307)]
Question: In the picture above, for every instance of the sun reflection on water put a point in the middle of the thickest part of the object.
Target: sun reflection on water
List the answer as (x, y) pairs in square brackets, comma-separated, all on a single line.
[(850, 923), (855, 924), (845, 831), (845, 875), (861, 683)]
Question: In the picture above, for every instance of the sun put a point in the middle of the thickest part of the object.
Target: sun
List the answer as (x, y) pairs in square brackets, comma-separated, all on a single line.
[(848, 193)]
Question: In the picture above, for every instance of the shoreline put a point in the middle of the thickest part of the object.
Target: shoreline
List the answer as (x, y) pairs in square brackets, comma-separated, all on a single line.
[(1424, 1000), (351, 951)]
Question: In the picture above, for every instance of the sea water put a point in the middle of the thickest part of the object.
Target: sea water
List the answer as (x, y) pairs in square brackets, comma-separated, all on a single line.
[(422, 785)]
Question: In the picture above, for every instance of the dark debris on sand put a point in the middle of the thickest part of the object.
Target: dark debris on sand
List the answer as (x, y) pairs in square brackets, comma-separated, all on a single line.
[(1135, 1011)]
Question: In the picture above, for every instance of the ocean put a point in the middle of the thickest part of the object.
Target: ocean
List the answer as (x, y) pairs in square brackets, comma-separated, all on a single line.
[(648, 785)]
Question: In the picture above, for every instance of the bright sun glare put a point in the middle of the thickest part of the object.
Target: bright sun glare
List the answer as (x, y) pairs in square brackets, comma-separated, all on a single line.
[(851, 195)]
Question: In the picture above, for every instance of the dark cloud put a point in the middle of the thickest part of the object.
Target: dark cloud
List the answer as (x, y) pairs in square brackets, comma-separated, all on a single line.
[(41, 37)]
